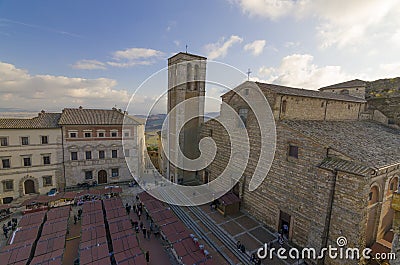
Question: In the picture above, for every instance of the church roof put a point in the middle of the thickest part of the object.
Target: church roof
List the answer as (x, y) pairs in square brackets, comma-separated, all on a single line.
[(347, 84), (83, 116), (368, 143), (307, 93), (42, 121), (188, 54)]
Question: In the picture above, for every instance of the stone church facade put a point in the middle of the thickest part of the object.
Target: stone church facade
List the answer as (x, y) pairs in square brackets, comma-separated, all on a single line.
[(334, 172)]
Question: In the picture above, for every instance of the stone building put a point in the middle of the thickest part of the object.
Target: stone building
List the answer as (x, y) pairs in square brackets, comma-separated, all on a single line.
[(31, 155), (334, 171), (186, 80), (96, 143)]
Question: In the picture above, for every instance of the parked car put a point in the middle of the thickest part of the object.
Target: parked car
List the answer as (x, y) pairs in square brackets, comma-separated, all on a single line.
[(52, 192)]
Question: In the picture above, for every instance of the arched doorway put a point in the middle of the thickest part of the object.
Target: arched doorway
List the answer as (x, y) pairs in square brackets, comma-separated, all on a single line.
[(372, 219), (29, 186), (102, 177)]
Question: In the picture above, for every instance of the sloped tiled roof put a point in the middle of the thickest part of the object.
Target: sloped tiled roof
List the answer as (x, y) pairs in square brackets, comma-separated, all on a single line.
[(366, 142), (307, 93), (347, 84), (346, 166), (42, 121), (83, 116)]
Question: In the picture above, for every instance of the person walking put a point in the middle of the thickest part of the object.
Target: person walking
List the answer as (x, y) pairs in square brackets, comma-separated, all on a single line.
[(144, 232), (281, 240), (147, 256), (5, 230), (75, 219)]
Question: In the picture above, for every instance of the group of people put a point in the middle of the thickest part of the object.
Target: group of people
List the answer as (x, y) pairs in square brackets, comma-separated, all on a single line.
[(79, 201), (255, 260), (10, 226), (76, 218)]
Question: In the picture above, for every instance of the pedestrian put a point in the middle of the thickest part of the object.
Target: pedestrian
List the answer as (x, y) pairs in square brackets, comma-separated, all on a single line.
[(75, 219), (144, 232), (253, 257), (242, 248), (79, 214), (148, 234), (141, 225), (5, 230), (281, 240), (238, 245), (147, 256), (147, 216)]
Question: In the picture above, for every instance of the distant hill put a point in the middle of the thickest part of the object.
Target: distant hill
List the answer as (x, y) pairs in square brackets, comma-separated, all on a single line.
[(384, 95), (383, 88)]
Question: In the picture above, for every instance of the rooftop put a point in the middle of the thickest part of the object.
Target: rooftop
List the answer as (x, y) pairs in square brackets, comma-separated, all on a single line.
[(81, 116), (42, 121), (307, 93), (347, 84), (368, 143), (188, 54)]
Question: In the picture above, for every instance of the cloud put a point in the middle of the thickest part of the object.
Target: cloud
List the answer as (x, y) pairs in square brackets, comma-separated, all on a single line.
[(272, 9), (390, 69), (123, 59), (298, 70), (292, 44), (340, 23), (23, 91), (256, 47), (220, 48), (134, 56), (89, 65)]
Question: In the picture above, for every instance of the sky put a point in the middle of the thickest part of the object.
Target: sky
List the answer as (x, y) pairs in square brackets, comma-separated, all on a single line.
[(98, 54)]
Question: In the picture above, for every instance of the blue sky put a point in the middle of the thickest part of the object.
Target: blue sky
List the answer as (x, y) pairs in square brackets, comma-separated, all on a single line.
[(56, 54)]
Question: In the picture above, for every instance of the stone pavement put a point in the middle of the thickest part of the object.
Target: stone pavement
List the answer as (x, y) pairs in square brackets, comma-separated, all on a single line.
[(244, 228)]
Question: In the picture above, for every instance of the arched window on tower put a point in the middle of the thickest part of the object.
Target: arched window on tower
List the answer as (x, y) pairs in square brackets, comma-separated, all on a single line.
[(189, 76), (284, 103), (196, 77), (373, 196)]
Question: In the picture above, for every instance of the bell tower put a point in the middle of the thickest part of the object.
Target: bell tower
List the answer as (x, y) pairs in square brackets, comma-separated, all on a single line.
[(186, 80)]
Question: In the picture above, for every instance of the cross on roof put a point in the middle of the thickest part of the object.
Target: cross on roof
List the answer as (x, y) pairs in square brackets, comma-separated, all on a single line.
[(248, 74)]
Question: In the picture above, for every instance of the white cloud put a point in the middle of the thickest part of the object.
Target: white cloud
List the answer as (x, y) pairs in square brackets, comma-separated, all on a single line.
[(220, 48), (390, 69), (292, 44), (135, 56), (136, 53), (272, 9), (123, 59), (298, 70), (256, 47), (20, 90), (340, 23), (89, 65)]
